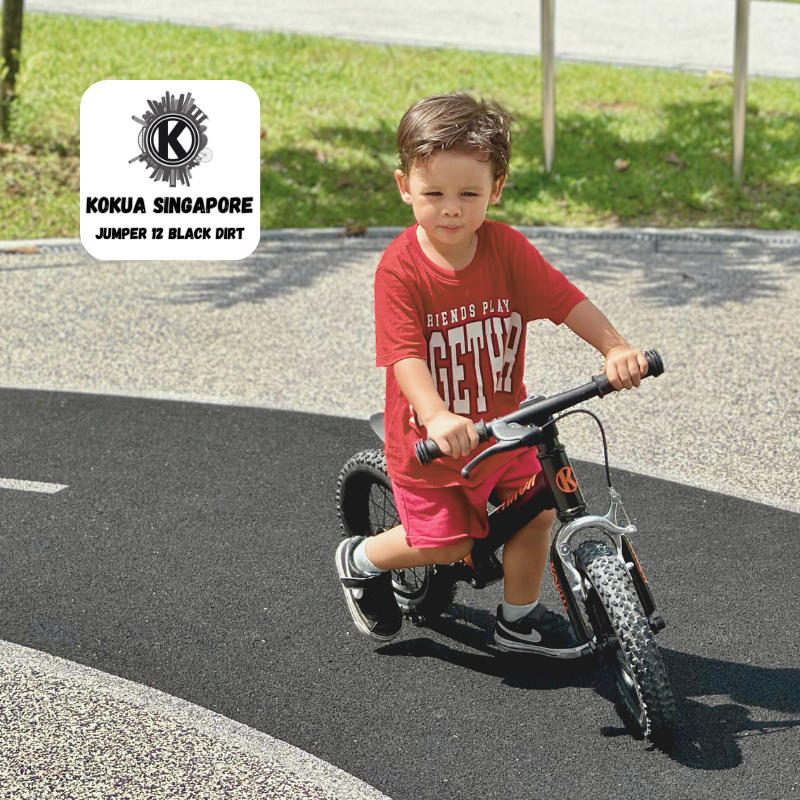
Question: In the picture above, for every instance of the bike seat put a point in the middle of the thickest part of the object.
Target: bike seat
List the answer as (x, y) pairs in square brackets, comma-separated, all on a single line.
[(376, 421)]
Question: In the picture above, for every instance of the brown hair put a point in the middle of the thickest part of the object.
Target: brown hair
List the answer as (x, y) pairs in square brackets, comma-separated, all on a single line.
[(455, 122)]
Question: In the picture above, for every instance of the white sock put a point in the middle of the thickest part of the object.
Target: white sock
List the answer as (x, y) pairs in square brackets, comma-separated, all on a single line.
[(513, 613), (362, 563)]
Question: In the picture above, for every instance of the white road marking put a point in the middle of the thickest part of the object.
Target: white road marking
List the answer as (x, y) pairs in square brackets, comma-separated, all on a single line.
[(31, 486)]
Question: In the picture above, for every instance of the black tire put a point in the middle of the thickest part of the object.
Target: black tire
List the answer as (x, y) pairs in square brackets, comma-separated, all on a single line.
[(366, 507), (618, 620)]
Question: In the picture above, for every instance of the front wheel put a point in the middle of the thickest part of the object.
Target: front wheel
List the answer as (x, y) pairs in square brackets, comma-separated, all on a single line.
[(620, 624), (366, 507)]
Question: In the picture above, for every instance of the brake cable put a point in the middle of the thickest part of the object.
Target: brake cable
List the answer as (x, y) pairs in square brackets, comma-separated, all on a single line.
[(602, 433)]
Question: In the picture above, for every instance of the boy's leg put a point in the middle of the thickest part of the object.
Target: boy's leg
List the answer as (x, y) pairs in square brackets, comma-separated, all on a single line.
[(438, 521), (437, 515), (390, 550), (370, 597), (524, 560)]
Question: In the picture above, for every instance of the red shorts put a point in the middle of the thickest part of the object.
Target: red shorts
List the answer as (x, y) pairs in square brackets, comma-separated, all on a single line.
[(440, 517)]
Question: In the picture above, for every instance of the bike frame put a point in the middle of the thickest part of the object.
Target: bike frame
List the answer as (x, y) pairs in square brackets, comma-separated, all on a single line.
[(557, 487)]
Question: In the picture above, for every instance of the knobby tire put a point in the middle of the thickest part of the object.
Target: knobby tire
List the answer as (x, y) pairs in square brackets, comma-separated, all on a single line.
[(639, 668)]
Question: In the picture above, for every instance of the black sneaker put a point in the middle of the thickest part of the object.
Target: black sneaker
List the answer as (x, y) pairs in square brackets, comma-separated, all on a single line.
[(541, 632), (371, 601)]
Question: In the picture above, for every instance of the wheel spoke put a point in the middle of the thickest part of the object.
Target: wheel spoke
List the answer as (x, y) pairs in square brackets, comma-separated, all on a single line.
[(418, 579), (383, 514)]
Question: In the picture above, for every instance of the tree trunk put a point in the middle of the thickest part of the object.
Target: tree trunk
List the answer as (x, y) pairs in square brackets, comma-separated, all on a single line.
[(9, 57)]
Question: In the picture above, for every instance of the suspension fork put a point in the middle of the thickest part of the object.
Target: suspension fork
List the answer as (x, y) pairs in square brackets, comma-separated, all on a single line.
[(573, 517), (570, 505)]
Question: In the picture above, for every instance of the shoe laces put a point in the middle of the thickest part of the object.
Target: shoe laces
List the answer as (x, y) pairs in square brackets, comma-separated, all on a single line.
[(555, 622)]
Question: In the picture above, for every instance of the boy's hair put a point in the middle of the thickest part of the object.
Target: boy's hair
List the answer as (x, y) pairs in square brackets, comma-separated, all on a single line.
[(455, 122)]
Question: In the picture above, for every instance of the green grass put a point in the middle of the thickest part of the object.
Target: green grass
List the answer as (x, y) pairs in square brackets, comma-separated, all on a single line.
[(330, 108)]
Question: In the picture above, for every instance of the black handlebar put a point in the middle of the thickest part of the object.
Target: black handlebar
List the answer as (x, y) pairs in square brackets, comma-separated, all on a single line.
[(536, 410)]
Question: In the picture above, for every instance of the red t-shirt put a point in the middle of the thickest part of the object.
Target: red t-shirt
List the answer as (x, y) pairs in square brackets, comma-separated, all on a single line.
[(469, 327)]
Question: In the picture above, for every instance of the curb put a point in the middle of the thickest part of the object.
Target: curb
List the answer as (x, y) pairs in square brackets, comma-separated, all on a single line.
[(293, 773), (315, 236)]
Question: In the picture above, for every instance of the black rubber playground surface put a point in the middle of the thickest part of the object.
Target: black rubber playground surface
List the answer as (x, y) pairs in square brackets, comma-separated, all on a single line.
[(193, 552)]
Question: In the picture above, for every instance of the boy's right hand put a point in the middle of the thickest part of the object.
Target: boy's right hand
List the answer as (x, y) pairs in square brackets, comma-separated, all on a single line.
[(455, 435)]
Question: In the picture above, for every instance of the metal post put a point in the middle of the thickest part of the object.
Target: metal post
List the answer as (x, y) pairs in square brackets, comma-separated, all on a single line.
[(548, 83), (740, 86)]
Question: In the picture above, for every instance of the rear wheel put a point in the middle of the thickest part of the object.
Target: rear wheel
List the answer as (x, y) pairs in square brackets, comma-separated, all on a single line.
[(366, 507), (619, 622)]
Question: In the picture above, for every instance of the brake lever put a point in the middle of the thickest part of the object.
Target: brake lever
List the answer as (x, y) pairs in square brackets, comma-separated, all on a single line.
[(509, 436), (489, 451)]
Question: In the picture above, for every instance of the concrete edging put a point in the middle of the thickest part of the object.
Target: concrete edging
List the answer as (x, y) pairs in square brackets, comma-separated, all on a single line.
[(314, 235), (277, 756)]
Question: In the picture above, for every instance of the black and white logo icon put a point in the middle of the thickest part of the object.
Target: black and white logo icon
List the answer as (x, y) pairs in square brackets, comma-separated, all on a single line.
[(172, 140)]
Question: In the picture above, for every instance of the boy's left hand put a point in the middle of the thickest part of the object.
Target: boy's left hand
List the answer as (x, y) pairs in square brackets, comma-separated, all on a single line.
[(625, 367)]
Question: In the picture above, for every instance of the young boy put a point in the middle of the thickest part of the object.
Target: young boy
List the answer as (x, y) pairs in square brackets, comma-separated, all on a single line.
[(453, 294)]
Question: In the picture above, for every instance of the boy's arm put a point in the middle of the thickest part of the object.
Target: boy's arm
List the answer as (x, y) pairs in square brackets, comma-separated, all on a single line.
[(454, 434), (625, 366)]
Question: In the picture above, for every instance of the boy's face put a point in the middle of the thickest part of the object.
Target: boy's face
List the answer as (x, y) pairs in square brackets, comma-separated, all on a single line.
[(450, 194)]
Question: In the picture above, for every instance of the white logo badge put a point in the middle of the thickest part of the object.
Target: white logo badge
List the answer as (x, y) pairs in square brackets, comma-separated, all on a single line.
[(175, 199)]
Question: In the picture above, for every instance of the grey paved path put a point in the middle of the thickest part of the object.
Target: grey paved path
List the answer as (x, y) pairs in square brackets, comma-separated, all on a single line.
[(291, 327), (682, 33), (72, 732)]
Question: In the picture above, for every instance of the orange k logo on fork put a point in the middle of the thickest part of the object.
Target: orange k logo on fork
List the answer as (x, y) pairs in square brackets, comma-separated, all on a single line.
[(565, 480)]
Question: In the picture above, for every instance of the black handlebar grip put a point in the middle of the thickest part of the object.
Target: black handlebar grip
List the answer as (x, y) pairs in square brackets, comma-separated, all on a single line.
[(603, 385), (655, 364), (428, 450), (655, 367)]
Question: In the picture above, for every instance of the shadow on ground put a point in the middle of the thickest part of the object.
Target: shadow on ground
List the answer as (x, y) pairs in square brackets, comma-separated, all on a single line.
[(660, 187), (670, 272), (717, 700), (263, 276)]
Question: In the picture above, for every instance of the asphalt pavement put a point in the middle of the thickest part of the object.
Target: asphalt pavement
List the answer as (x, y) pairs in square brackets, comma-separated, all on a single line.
[(192, 553)]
